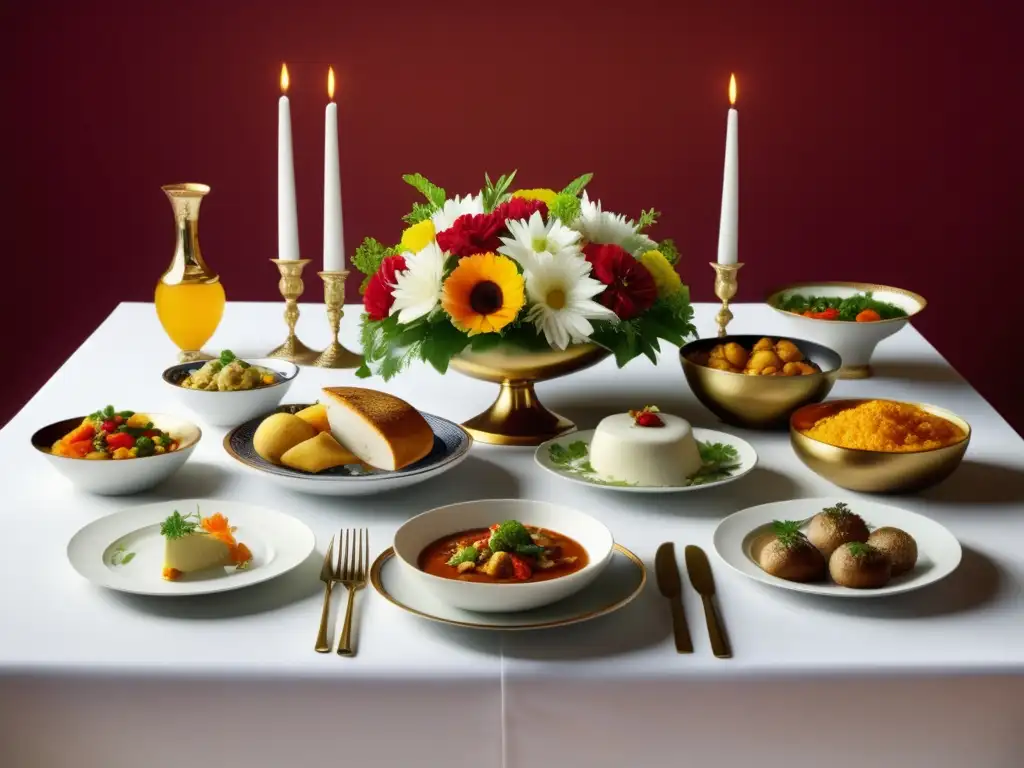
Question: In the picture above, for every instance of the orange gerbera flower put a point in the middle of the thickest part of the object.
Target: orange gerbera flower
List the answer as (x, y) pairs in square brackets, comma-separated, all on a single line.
[(218, 527), (484, 293)]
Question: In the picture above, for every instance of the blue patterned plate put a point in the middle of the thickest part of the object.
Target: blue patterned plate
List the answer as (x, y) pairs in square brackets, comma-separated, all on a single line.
[(451, 446)]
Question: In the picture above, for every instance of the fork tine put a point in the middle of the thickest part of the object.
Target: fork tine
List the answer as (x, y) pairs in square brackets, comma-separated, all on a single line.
[(366, 562), (358, 574), (343, 568)]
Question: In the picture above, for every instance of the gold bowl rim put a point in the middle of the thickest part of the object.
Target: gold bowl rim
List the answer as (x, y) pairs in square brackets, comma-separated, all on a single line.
[(866, 287), (850, 402), (725, 340)]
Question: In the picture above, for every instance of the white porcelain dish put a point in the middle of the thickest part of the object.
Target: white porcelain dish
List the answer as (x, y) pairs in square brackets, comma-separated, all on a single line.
[(938, 550), (567, 457), (98, 551), (855, 342), (416, 534), (229, 409), (614, 587), (120, 478)]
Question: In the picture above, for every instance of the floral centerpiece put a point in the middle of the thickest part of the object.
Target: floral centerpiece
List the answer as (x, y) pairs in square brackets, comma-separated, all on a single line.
[(533, 268)]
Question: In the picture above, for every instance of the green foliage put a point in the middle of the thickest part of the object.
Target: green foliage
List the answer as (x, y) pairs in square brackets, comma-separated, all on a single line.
[(718, 461), (176, 526), (565, 207), (389, 348), (566, 455), (509, 535), (576, 186), (464, 555), (495, 193), (434, 194), (670, 318), (420, 212), (121, 556), (669, 251), (841, 509), (848, 308), (368, 257), (788, 532), (860, 549), (647, 219)]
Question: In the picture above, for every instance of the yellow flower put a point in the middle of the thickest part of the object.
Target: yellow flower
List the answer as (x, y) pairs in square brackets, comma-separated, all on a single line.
[(418, 236), (484, 293), (546, 196), (665, 276)]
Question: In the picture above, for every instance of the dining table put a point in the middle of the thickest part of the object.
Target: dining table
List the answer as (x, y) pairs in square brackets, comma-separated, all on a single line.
[(94, 677)]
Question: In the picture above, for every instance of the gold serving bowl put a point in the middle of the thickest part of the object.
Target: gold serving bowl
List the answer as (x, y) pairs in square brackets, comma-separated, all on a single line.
[(875, 471), (758, 402)]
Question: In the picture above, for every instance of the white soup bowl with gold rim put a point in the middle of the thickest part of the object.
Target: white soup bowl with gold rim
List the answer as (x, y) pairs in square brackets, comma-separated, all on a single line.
[(855, 342), (504, 597)]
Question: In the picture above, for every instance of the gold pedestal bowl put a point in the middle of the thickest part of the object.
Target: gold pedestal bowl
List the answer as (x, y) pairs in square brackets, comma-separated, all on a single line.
[(875, 471), (517, 417), (758, 402)]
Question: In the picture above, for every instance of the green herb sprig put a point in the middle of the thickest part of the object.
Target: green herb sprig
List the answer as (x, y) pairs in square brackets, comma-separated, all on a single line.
[(841, 509), (788, 532), (178, 526)]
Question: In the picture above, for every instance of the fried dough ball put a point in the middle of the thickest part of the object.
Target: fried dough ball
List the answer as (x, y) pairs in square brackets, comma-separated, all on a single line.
[(771, 370), (797, 369), (736, 355), (717, 351), (720, 364), (764, 358), (764, 344), (788, 352)]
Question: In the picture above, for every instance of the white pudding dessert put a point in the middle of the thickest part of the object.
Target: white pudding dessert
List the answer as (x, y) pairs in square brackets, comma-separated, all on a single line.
[(645, 448)]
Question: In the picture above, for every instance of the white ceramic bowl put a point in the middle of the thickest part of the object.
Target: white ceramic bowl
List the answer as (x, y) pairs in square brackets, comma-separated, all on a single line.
[(416, 534), (855, 342), (119, 478), (229, 409)]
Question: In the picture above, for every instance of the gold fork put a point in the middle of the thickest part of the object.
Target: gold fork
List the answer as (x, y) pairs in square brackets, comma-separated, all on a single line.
[(327, 576), (352, 568)]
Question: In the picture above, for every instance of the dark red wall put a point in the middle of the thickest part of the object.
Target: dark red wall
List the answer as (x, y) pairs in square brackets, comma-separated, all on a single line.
[(880, 141)]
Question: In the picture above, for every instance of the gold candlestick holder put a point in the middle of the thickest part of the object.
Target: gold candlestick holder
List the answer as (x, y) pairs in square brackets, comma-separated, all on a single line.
[(291, 288), (726, 285), (336, 356)]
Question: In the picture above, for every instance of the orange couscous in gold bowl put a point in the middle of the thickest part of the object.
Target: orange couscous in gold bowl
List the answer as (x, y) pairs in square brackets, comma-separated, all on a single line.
[(881, 446)]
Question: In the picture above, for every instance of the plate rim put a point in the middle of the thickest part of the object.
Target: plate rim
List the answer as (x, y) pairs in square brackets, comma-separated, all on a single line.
[(228, 586), (645, 488), (814, 589), (389, 553), (455, 456)]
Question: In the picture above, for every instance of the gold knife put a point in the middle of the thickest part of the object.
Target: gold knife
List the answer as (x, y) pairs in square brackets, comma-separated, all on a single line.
[(671, 587), (327, 575), (699, 570)]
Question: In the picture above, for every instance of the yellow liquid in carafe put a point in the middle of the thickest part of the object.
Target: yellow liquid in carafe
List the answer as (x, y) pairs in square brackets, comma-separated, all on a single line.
[(190, 312)]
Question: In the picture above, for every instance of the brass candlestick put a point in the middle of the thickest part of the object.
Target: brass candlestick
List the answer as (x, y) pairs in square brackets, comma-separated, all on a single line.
[(336, 356), (726, 286), (291, 288)]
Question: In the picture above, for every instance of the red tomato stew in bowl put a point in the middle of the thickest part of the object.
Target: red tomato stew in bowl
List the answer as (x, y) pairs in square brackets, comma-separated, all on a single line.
[(505, 553)]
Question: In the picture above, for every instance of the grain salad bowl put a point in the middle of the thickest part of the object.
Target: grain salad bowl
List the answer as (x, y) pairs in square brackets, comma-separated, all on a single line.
[(229, 409), (872, 471)]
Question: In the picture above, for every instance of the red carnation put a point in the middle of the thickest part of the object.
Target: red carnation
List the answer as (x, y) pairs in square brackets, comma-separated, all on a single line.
[(518, 208), (378, 298), (631, 290), (472, 233)]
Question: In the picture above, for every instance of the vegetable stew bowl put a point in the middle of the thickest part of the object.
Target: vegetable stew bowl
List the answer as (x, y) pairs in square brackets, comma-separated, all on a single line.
[(854, 341), (424, 529), (229, 409), (119, 478), (758, 402)]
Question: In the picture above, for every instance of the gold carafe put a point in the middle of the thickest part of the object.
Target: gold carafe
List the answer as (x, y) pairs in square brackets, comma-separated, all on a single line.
[(189, 296)]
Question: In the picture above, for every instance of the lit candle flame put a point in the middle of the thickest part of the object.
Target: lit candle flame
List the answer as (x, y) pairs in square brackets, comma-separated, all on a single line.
[(732, 90), (330, 83), (284, 78)]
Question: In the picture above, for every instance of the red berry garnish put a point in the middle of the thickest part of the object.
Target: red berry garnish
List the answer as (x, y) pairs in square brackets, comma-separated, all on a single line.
[(648, 417)]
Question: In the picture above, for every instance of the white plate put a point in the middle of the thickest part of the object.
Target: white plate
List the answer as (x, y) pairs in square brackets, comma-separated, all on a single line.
[(938, 551), (747, 461), (616, 586), (277, 541)]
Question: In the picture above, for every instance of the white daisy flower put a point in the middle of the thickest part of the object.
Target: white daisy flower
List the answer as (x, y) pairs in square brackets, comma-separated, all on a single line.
[(418, 287), (457, 206), (532, 237), (561, 292), (604, 228)]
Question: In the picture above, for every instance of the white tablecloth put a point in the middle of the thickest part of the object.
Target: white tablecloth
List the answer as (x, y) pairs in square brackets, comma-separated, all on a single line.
[(94, 678)]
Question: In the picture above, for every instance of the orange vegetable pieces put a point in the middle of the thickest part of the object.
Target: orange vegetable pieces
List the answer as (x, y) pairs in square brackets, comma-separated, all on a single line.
[(868, 316)]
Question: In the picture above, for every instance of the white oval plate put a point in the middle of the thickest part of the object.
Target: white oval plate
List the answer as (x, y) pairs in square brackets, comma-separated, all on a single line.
[(573, 472), (938, 551), (277, 541), (615, 587)]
